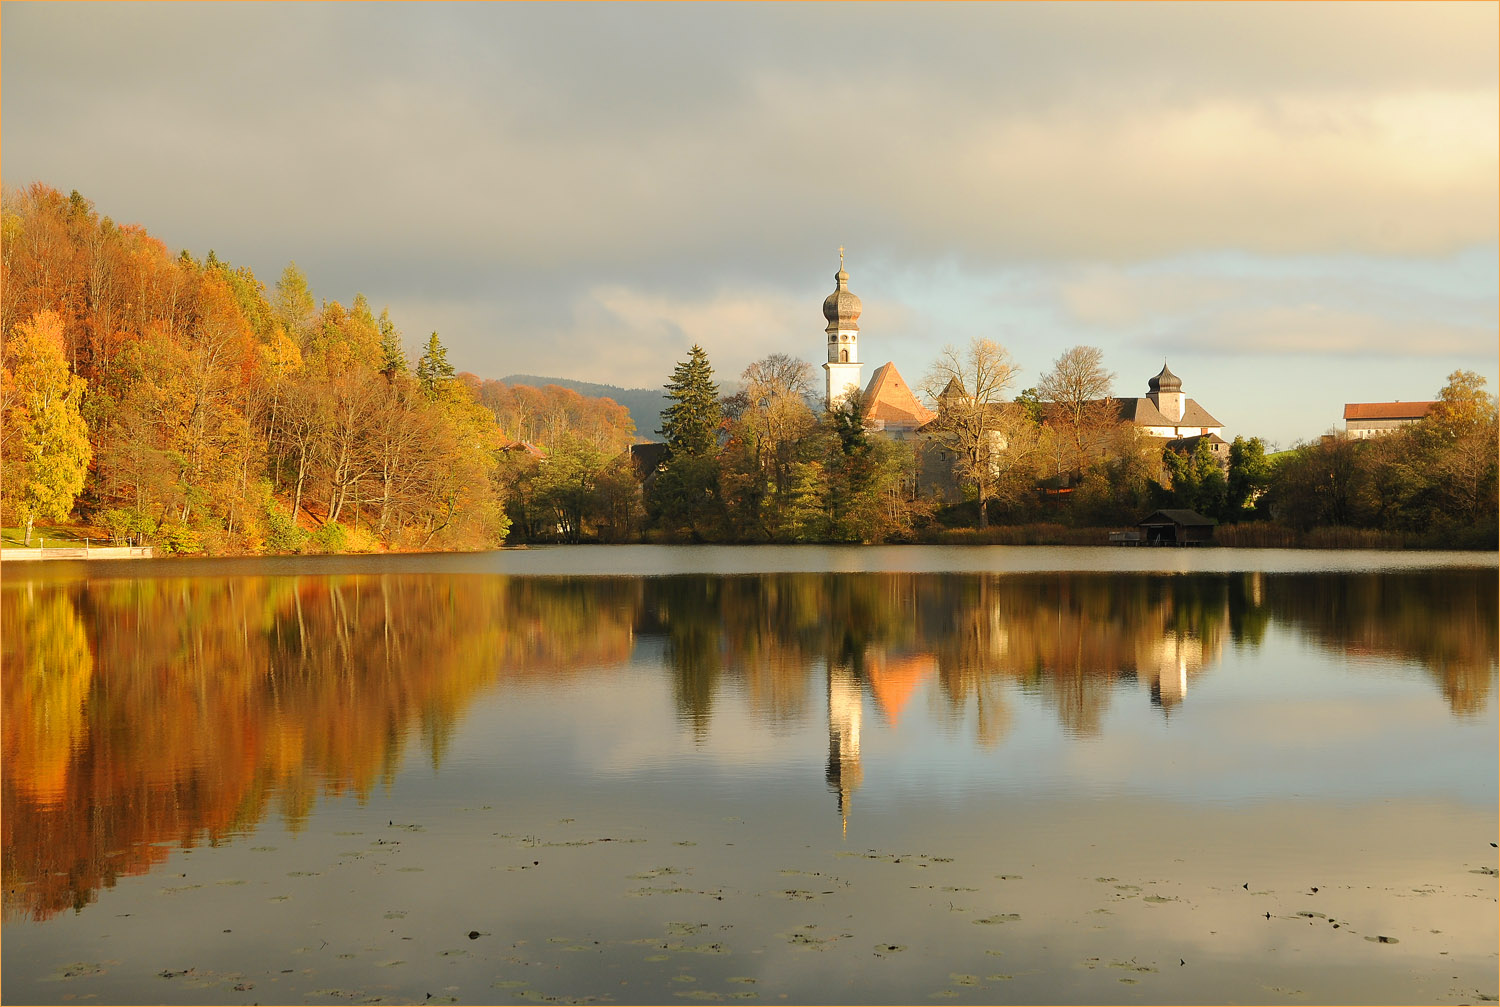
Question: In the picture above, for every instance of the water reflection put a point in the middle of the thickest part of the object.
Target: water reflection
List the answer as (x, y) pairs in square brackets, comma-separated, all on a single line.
[(144, 714)]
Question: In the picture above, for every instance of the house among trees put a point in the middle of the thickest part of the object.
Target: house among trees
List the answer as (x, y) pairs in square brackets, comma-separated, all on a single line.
[(1217, 447), (1373, 419)]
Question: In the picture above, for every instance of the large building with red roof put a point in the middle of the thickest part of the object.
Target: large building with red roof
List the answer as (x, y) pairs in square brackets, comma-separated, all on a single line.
[(1372, 419)]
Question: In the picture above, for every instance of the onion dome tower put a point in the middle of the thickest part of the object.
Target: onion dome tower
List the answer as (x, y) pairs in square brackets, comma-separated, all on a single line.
[(1166, 394), (841, 309)]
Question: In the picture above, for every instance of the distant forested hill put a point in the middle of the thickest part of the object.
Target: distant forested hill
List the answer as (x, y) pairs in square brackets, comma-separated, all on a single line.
[(644, 404)]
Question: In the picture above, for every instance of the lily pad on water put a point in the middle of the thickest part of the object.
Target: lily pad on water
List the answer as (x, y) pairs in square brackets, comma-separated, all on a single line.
[(1382, 939), (1000, 918)]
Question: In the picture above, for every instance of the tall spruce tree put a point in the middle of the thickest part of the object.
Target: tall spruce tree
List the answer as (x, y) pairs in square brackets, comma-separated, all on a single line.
[(433, 370), (691, 423)]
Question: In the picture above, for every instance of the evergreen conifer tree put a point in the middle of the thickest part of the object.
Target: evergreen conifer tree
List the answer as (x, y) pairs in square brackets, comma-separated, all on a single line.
[(393, 357), (691, 423), (433, 369)]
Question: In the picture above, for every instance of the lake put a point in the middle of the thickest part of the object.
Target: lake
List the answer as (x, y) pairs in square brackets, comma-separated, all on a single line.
[(783, 774)]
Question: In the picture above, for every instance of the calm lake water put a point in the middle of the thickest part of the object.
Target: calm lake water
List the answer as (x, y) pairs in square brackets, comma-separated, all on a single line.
[(633, 774)]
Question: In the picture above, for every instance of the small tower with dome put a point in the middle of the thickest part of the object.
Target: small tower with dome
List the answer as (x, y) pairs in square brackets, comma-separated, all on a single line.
[(1166, 394), (841, 309)]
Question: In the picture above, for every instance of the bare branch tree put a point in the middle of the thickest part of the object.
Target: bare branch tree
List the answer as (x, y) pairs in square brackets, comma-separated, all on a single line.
[(1078, 388), (969, 389)]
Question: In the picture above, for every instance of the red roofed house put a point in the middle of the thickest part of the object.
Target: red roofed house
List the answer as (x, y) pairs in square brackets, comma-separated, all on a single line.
[(1372, 419)]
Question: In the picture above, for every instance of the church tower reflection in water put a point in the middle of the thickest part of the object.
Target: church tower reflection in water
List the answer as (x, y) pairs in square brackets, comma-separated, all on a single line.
[(845, 708)]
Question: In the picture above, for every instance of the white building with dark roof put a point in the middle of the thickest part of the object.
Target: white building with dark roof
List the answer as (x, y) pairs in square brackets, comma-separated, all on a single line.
[(1166, 412)]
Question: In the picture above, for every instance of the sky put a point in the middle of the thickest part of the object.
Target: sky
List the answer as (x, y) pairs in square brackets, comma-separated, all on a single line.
[(1294, 205)]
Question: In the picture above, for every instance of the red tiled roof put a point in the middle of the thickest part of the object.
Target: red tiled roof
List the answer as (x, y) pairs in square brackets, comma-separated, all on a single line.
[(1386, 410), (888, 398)]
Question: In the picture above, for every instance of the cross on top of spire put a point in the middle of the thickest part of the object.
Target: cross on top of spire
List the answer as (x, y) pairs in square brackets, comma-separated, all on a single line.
[(841, 257)]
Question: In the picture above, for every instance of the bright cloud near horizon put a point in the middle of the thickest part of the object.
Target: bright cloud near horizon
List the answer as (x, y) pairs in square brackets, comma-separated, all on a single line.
[(1295, 204)]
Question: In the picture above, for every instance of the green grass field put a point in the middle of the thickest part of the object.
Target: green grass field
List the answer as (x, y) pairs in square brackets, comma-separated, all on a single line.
[(53, 535)]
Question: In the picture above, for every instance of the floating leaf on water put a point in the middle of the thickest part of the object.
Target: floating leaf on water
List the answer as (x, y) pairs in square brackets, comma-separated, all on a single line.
[(262, 849), (1106, 880), (963, 980), (303, 874), (997, 978), (396, 914), (890, 947), (1008, 877), (410, 870), (685, 928), (740, 979), (233, 881), (1158, 899), (1382, 939), (502, 984), (390, 964), (1000, 918)]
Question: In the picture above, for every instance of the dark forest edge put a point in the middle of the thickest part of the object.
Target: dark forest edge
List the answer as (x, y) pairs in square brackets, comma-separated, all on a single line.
[(178, 403)]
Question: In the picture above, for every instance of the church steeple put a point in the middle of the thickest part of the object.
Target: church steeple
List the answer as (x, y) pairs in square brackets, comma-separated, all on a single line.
[(841, 310)]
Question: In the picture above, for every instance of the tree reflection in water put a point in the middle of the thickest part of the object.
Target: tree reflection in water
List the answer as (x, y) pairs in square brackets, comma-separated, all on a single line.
[(143, 713)]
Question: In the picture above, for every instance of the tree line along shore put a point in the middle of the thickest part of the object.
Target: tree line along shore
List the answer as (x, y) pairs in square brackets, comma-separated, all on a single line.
[(164, 400)]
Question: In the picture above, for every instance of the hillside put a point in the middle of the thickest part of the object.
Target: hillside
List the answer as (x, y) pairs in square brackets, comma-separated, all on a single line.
[(644, 404)]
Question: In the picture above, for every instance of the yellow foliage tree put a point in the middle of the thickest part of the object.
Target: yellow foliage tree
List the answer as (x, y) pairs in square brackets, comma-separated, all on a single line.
[(49, 447)]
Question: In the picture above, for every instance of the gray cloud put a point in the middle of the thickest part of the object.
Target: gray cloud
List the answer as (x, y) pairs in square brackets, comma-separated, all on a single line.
[(602, 178)]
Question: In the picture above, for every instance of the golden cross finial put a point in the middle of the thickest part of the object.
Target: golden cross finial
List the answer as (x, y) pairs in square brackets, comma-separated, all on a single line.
[(841, 258)]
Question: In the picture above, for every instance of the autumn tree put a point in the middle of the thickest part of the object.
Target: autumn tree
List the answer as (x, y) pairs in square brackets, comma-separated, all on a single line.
[(768, 454), (1077, 390), (973, 415), (294, 305), (47, 438)]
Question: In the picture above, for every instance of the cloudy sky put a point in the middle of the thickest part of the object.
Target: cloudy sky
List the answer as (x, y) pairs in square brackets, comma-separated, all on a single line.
[(1293, 204)]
